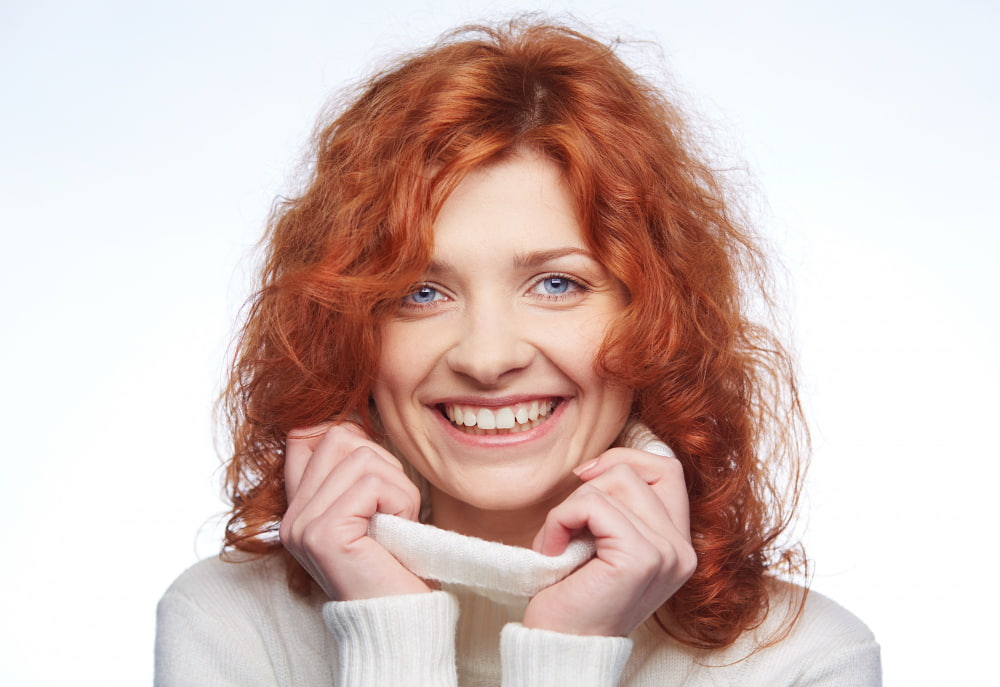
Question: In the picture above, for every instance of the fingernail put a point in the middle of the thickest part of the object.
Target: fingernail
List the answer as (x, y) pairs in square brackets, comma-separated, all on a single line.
[(579, 470)]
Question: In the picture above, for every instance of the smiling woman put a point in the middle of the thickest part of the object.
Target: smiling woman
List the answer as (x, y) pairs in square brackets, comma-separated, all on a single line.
[(501, 401), (520, 309)]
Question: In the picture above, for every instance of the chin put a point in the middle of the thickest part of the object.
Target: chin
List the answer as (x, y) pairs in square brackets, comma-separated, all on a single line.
[(513, 495)]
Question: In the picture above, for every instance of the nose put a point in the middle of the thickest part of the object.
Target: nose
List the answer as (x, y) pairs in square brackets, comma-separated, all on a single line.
[(489, 347)]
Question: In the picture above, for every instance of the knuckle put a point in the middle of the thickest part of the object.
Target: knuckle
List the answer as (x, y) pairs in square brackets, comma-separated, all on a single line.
[(673, 468), (313, 536), (617, 481), (649, 563), (353, 428), (357, 460), (680, 561), (668, 560), (369, 481), (363, 454), (340, 439), (589, 495), (621, 470), (618, 453), (344, 430), (687, 561), (367, 456)]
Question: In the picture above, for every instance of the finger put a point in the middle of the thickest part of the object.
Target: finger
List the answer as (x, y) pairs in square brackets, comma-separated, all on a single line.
[(354, 428), (377, 493), (301, 443), (320, 489), (333, 544), (640, 501), (664, 475), (346, 476), (622, 542), (637, 500), (338, 442), (586, 508), (299, 447), (339, 524), (346, 436)]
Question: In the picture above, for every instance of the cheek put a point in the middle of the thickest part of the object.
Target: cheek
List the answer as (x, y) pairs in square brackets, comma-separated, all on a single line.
[(402, 368), (390, 391), (607, 400), (578, 355), (391, 380)]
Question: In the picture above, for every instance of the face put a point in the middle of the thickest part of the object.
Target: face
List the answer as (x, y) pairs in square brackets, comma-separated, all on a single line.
[(486, 382)]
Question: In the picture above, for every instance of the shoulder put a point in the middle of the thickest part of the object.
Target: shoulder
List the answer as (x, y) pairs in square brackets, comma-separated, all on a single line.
[(807, 638), (819, 615), (236, 587), (236, 622), (224, 574)]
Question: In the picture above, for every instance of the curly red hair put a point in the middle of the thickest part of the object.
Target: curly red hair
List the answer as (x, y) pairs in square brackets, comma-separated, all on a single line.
[(716, 386)]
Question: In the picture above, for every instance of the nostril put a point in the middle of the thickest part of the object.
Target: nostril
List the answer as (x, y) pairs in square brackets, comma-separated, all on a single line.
[(486, 366)]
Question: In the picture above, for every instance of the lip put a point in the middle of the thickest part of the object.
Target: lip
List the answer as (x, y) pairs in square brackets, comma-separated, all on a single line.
[(499, 440), (493, 402)]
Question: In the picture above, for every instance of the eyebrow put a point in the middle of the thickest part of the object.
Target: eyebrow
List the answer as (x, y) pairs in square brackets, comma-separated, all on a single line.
[(521, 260), (530, 260)]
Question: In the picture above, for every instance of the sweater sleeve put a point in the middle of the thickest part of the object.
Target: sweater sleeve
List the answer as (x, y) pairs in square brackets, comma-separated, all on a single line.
[(406, 640), (541, 658)]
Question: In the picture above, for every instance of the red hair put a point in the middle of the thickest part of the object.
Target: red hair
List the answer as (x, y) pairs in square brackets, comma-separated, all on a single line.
[(716, 386)]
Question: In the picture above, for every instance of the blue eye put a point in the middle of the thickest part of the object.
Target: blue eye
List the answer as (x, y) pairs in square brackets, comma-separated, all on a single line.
[(557, 288), (556, 285), (423, 294)]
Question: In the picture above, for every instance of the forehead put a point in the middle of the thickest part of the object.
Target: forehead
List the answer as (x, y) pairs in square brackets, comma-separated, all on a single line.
[(518, 206)]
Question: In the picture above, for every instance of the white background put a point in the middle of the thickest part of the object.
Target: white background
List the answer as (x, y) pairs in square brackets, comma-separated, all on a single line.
[(141, 147)]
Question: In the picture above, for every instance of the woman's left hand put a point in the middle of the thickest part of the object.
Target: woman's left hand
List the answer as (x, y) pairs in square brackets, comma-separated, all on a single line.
[(635, 505)]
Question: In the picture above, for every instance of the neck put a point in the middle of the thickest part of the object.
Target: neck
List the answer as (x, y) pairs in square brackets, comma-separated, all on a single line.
[(511, 527)]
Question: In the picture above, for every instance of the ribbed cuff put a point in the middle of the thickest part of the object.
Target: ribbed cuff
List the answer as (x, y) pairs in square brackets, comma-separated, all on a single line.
[(539, 658), (395, 640)]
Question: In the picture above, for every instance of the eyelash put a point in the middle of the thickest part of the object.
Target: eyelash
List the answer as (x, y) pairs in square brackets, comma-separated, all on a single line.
[(574, 286), (411, 304)]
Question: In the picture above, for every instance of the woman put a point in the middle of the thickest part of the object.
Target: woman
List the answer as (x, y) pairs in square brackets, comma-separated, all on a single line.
[(507, 289)]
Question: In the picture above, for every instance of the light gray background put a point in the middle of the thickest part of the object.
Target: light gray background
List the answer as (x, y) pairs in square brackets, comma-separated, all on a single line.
[(140, 149)]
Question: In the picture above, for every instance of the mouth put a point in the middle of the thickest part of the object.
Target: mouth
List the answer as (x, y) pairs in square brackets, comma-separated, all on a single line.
[(511, 419)]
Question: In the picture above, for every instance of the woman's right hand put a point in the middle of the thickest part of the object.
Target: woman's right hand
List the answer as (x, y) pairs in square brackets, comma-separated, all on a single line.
[(336, 478)]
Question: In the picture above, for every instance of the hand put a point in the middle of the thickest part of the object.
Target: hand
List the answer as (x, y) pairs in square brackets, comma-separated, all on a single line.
[(635, 505), (336, 478)]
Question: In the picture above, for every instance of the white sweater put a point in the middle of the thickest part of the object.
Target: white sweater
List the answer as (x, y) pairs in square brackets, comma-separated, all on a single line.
[(234, 624)]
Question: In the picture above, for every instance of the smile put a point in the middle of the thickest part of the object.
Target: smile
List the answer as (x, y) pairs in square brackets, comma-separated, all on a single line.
[(511, 419)]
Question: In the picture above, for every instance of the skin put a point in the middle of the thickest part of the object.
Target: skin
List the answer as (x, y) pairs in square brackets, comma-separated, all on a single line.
[(512, 309)]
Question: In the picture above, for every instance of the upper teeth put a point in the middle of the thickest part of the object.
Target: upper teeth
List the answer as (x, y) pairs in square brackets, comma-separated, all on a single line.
[(506, 417)]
